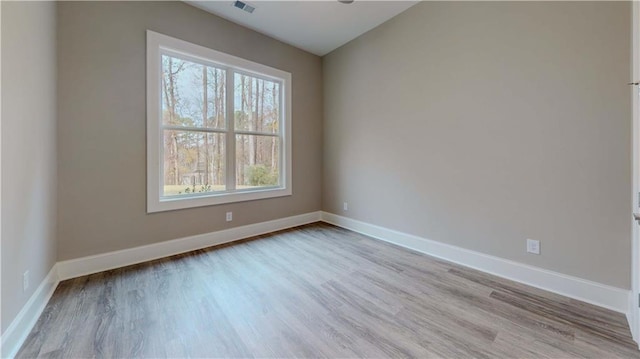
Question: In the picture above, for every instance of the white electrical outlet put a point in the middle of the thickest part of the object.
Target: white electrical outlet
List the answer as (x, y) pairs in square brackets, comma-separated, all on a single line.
[(229, 216), (533, 246), (25, 281), (345, 206)]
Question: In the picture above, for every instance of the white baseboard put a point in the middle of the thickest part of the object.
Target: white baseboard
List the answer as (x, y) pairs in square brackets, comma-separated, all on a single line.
[(591, 292), (17, 332), (633, 324), (22, 324), (93, 264), (573, 287)]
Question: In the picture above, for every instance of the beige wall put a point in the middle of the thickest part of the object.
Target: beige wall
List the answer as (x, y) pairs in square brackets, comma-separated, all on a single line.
[(483, 124), (28, 150), (101, 127)]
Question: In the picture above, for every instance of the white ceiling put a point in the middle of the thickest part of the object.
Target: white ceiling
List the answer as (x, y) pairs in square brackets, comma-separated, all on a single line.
[(315, 26)]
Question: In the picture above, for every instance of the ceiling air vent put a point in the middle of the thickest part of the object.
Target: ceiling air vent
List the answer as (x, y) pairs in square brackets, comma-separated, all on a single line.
[(244, 6)]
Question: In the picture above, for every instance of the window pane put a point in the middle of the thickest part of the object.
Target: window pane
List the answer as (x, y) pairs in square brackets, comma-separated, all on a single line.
[(193, 94), (194, 162), (256, 104), (257, 161)]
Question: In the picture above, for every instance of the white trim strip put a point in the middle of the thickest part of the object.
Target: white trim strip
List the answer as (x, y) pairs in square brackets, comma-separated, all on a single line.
[(631, 310), (602, 295), (634, 311), (21, 326), (93, 264)]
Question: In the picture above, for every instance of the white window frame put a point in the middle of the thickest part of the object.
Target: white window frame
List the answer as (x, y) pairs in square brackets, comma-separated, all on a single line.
[(159, 44)]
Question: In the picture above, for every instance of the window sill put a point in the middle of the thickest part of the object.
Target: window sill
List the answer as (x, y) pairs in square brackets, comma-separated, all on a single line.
[(183, 202)]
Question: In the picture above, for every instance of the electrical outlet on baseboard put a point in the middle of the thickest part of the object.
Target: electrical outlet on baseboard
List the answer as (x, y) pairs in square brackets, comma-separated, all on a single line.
[(533, 246), (229, 216)]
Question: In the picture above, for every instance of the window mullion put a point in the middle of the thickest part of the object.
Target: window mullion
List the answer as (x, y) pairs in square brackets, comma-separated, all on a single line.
[(231, 138)]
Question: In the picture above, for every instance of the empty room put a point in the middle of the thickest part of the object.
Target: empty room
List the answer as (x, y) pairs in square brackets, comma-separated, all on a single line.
[(277, 179)]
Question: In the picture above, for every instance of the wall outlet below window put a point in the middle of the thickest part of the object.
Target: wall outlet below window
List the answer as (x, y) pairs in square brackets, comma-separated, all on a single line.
[(533, 246), (229, 216)]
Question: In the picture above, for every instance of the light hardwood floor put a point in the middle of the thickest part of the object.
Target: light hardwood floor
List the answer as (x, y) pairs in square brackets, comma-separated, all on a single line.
[(316, 291)]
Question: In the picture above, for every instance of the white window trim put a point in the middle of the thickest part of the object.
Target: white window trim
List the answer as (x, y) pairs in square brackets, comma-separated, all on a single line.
[(156, 44)]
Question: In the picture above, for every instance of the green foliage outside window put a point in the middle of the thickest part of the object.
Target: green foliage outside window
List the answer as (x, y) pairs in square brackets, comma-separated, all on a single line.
[(260, 175)]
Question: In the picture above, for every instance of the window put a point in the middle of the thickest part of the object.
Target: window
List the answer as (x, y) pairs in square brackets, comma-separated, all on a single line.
[(218, 127)]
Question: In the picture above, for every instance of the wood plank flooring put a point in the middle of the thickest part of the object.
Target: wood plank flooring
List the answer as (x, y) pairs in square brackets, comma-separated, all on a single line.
[(316, 291)]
